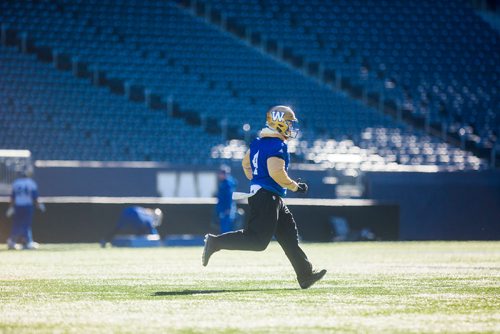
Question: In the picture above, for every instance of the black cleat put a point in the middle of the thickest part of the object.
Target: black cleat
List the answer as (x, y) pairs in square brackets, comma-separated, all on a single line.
[(311, 279), (208, 250)]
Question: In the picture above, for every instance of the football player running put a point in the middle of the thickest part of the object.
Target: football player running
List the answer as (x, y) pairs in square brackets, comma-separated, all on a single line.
[(265, 164)]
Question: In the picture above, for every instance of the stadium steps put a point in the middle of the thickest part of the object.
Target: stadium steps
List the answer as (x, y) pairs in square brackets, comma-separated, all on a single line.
[(84, 68), (492, 18), (239, 19), (60, 117), (95, 37), (100, 75), (128, 81)]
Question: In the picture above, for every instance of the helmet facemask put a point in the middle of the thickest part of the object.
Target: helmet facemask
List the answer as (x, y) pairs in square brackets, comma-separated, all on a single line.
[(292, 129)]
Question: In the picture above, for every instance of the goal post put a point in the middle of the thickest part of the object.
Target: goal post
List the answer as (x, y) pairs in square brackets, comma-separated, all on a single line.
[(12, 162)]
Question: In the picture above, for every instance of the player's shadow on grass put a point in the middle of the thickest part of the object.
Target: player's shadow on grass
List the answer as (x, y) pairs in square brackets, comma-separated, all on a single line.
[(206, 292)]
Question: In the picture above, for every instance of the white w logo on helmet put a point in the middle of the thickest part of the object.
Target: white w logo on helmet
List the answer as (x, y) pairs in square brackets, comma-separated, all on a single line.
[(277, 115)]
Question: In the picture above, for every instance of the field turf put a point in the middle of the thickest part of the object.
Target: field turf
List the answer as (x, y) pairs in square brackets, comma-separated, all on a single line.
[(407, 287)]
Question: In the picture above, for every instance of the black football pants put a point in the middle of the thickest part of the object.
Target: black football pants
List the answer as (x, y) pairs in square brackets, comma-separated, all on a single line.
[(268, 216)]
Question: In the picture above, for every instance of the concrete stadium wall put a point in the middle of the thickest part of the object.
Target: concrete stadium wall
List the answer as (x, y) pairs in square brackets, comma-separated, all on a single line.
[(89, 219), (442, 206), (140, 179), (433, 206), (76, 178)]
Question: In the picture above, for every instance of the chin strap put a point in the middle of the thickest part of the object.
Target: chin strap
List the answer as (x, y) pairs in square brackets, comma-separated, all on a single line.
[(269, 132)]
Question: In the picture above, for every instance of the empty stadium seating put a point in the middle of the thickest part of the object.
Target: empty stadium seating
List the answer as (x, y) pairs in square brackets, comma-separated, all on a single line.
[(60, 117), (437, 59), (212, 76)]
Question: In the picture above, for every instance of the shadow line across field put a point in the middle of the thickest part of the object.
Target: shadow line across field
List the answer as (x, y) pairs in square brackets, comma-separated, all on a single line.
[(206, 292)]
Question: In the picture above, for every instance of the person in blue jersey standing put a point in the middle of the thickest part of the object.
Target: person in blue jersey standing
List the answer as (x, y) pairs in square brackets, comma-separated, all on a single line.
[(225, 208), (266, 166), (23, 200)]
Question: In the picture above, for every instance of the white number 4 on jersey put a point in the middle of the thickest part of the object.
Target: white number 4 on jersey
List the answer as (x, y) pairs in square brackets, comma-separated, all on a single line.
[(255, 163)]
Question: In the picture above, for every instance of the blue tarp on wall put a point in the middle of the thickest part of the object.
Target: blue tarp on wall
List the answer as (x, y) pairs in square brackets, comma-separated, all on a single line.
[(442, 206)]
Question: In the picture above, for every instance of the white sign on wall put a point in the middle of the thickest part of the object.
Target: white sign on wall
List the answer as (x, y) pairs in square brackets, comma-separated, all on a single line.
[(186, 184)]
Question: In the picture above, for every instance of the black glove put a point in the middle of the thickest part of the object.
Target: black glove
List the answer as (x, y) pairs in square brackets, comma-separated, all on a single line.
[(302, 187)]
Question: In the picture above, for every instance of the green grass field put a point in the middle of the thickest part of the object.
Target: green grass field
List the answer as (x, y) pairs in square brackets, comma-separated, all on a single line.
[(370, 287)]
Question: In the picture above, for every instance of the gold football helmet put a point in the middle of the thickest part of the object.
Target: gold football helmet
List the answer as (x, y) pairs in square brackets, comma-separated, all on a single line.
[(282, 119)]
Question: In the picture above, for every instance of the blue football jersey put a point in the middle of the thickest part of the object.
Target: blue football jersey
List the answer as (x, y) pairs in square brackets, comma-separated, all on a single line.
[(262, 149), (24, 192), (224, 194)]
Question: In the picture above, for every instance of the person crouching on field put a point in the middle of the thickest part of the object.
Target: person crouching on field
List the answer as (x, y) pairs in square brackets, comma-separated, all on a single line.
[(266, 165), (135, 220)]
